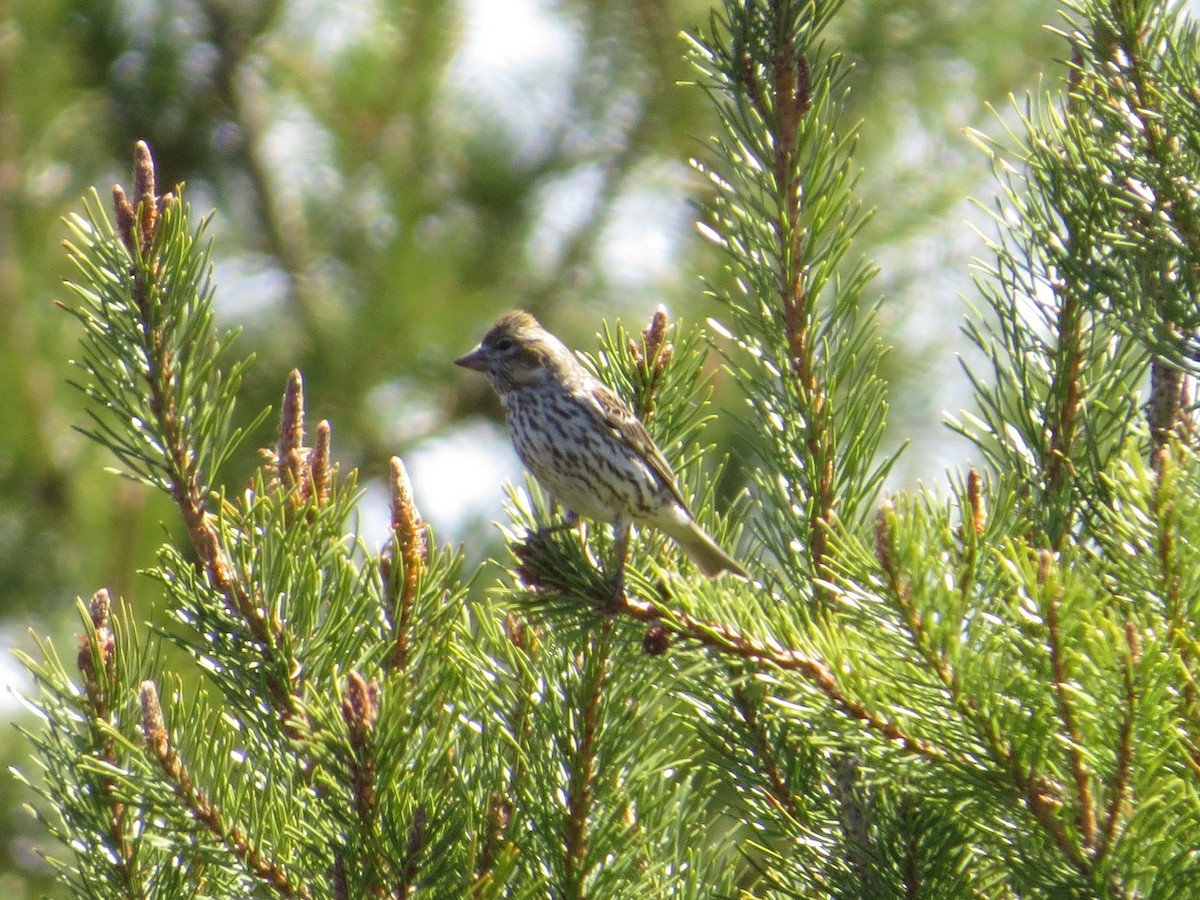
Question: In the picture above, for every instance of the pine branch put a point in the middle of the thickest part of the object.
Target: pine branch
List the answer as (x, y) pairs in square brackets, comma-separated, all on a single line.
[(582, 765), (414, 848), (1169, 588), (149, 302), (784, 215), (1121, 787), (780, 793), (855, 820), (1164, 410), (1062, 419), (1056, 646), (158, 743), (910, 871), (83, 760), (501, 803), (788, 103), (360, 710), (726, 640), (1166, 379), (1040, 795), (97, 664)]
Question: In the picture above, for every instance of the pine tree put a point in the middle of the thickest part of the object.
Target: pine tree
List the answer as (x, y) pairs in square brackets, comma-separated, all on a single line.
[(986, 690)]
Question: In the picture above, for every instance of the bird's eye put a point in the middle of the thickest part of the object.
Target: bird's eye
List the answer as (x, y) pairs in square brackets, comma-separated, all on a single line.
[(504, 346)]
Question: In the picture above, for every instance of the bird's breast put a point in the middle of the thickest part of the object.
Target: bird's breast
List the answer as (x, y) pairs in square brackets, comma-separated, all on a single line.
[(584, 463)]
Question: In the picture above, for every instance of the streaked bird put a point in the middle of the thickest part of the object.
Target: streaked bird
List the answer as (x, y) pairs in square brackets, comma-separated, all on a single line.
[(583, 444)]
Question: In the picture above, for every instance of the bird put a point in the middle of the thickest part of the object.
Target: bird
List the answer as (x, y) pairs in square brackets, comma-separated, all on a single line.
[(584, 444)]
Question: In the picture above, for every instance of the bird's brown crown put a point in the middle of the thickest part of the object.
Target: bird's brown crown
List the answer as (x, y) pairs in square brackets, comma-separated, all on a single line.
[(519, 337), (516, 325)]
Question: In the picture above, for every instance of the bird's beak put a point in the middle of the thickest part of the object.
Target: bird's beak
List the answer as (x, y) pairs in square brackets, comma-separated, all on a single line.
[(472, 360)]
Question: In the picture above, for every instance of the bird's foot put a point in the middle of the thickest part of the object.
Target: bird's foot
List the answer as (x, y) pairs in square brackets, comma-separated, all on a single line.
[(546, 530), (617, 596), (617, 599)]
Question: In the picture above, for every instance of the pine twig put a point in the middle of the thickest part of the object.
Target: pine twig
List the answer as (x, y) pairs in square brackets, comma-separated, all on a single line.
[(582, 775), (1058, 667), (360, 712), (790, 101), (1121, 787), (158, 743), (1062, 417), (780, 795), (727, 640), (1041, 796), (139, 223), (856, 824), (1167, 520), (97, 663)]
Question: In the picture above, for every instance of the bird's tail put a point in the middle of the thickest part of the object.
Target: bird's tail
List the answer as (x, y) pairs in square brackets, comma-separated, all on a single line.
[(702, 549)]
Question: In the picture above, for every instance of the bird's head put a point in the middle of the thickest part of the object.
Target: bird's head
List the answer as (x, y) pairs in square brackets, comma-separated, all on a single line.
[(517, 352)]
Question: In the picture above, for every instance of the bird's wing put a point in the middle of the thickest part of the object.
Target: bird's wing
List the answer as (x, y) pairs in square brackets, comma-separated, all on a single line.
[(629, 428)]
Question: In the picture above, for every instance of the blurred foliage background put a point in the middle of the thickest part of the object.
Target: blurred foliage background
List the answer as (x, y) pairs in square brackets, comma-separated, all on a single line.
[(389, 176)]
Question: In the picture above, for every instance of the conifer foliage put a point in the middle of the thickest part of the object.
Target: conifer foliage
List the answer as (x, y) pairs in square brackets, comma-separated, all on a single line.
[(983, 690)]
